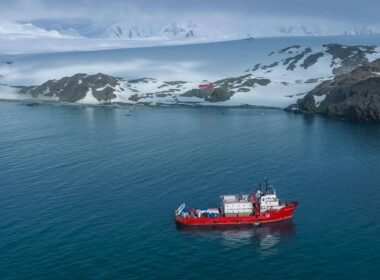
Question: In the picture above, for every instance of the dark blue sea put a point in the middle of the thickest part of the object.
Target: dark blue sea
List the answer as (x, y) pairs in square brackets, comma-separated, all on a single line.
[(89, 193)]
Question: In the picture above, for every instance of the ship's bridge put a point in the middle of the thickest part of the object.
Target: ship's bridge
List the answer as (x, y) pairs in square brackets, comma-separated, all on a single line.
[(269, 201)]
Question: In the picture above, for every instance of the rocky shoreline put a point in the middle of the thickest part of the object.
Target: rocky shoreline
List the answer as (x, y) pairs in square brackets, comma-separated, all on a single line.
[(352, 96), (33, 102)]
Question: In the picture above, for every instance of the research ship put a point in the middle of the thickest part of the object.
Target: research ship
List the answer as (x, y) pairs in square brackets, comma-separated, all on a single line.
[(261, 207)]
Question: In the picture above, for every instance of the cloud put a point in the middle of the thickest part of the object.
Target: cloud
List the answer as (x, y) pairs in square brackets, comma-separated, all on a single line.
[(363, 12)]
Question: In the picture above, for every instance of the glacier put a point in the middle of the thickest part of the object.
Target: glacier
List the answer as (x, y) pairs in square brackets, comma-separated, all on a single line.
[(61, 35)]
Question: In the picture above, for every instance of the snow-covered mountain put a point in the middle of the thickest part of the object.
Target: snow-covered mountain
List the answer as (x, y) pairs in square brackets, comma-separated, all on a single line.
[(260, 72), (171, 31), (355, 31), (13, 30), (122, 31), (315, 30), (188, 29), (60, 35)]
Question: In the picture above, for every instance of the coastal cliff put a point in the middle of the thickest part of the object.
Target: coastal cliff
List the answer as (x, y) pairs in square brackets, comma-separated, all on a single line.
[(352, 96)]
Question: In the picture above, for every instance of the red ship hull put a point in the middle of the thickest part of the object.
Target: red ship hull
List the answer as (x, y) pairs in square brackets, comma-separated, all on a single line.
[(270, 216)]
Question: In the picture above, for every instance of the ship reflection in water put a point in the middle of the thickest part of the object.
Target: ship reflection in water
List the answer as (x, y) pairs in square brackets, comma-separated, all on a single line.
[(264, 237)]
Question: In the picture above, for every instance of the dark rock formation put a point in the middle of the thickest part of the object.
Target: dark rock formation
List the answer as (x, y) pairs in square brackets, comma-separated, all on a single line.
[(274, 64), (227, 87), (141, 80), (237, 82), (243, 89), (311, 59), (343, 58), (134, 98), (172, 83), (287, 49), (347, 58), (292, 61), (256, 67), (75, 88), (353, 96), (209, 94)]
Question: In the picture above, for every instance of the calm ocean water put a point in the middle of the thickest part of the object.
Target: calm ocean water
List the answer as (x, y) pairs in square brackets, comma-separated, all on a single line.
[(89, 193)]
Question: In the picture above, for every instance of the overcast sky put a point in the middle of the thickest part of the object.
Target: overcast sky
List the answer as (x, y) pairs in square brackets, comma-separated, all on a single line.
[(362, 12)]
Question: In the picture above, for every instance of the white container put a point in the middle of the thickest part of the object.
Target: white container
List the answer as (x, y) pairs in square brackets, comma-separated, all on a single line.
[(236, 205)]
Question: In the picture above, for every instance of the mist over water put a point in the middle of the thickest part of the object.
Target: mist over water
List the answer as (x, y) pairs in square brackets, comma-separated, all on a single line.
[(89, 193)]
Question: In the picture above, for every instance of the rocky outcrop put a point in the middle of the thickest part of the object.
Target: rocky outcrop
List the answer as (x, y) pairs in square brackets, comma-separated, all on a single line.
[(353, 96), (344, 58), (347, 58), (209, 94), (172, 83), (75, 88), (289, 50), (311, 59), (225, 88), (142, 80), (291, 62), (235, 83)]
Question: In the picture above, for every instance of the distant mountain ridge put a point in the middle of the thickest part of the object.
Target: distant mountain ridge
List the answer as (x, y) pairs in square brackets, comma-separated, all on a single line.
[(173, 30), (15, 29), (190, 29)]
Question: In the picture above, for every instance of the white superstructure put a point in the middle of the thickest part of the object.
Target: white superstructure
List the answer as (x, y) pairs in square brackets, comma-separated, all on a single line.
[(268, 201), (236, 205)]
